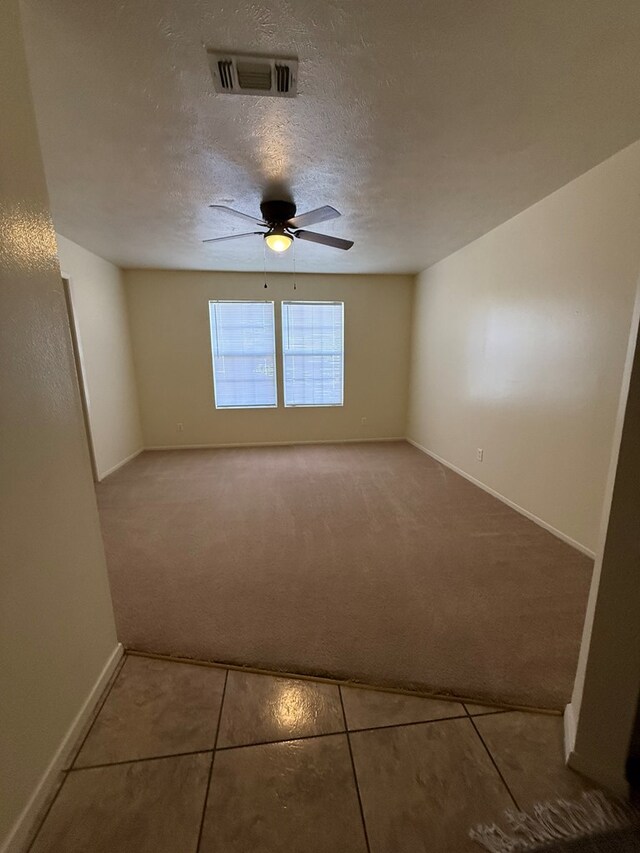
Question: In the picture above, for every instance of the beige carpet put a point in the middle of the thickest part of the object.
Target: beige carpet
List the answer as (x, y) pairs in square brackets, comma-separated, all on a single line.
[(364, 561)]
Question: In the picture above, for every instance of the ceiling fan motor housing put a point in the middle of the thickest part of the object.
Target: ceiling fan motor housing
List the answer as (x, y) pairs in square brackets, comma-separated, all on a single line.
[(277, 212)]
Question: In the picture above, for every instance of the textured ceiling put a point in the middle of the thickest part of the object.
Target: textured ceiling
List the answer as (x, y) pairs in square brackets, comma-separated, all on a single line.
[(426, 123)]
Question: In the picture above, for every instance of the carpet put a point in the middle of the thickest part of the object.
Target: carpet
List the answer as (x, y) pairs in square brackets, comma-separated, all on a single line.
[(369, 562)]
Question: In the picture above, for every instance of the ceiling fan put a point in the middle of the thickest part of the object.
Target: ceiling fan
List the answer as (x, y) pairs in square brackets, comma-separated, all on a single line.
[(282, 224)]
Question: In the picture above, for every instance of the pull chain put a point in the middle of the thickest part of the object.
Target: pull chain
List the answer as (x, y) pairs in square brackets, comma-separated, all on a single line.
[(295, 286)]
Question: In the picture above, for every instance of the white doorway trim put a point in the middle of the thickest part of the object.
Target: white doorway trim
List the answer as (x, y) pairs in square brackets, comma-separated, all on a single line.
[(80, 372)]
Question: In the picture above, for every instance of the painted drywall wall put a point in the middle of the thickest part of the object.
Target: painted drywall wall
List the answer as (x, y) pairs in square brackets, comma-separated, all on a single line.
[(102, 325), (519, 343), (169, 319), (601, 716), (56, 622)]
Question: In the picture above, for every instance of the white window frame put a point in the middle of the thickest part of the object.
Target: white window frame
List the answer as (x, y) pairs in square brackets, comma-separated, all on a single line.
[(273, 405), (284, 376)]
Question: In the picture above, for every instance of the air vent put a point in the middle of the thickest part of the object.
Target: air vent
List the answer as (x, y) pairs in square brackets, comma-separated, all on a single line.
[(254, 75), (237, 74), (225, 72), (283, 77)]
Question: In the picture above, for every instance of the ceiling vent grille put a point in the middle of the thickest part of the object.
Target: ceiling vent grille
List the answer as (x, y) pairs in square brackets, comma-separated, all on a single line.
[(225, 73), (283, 77), (237, 74)]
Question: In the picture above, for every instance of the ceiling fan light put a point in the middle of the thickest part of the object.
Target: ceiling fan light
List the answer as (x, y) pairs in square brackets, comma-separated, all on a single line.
[(278, 241)]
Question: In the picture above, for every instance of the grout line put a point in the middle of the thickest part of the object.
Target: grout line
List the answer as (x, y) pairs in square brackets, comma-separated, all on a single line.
[(485, 713), (407, 725), (76, 752), (341, 731), (493, 761), (341, 682), (137, 760), (273, 742), (213, 756), (76, 769), (355, 775)]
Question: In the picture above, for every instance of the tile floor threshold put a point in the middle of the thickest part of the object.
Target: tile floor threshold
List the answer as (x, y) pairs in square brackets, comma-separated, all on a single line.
[(181, 757), (343, 682)]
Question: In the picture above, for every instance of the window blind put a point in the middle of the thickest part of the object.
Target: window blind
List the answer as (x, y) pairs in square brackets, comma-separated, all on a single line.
[(313, 353), (244, 357)]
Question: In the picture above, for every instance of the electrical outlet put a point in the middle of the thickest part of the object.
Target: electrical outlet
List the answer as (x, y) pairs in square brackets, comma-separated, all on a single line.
[(363, 420), (180, 427), (479, 454)]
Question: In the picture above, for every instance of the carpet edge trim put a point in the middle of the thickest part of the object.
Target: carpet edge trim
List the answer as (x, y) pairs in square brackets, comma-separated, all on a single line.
[(344, 682)]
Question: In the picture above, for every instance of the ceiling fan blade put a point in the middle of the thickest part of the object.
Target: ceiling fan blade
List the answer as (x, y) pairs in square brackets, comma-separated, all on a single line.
[(324, 239), (237, 213), (232, 237), (312, 217)]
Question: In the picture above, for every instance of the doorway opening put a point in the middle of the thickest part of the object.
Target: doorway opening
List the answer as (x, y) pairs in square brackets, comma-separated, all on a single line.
[(80, 374)]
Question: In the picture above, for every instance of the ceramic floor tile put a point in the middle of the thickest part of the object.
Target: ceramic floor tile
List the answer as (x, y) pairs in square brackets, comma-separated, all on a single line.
[(478, 710), (142, 807), (366, 709), (155, 707), (260, 708), (297, 796), (424, 786), (529, 750)]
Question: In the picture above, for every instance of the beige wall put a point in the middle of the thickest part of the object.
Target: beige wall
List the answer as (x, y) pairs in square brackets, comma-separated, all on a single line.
[(102, 325), (519, 343), (171, 339), (56, 622)]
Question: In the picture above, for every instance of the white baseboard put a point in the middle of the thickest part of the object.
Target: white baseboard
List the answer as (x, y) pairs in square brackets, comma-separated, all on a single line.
[(271, 443), (578, 545), (120, 464), (569, 725), (24, 825)]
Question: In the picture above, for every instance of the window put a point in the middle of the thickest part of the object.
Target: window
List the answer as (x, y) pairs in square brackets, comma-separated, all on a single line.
[(313, 353), (244, 357)]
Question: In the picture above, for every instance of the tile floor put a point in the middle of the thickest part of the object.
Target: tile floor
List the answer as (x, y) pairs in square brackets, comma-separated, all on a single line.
[(192, 759)]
